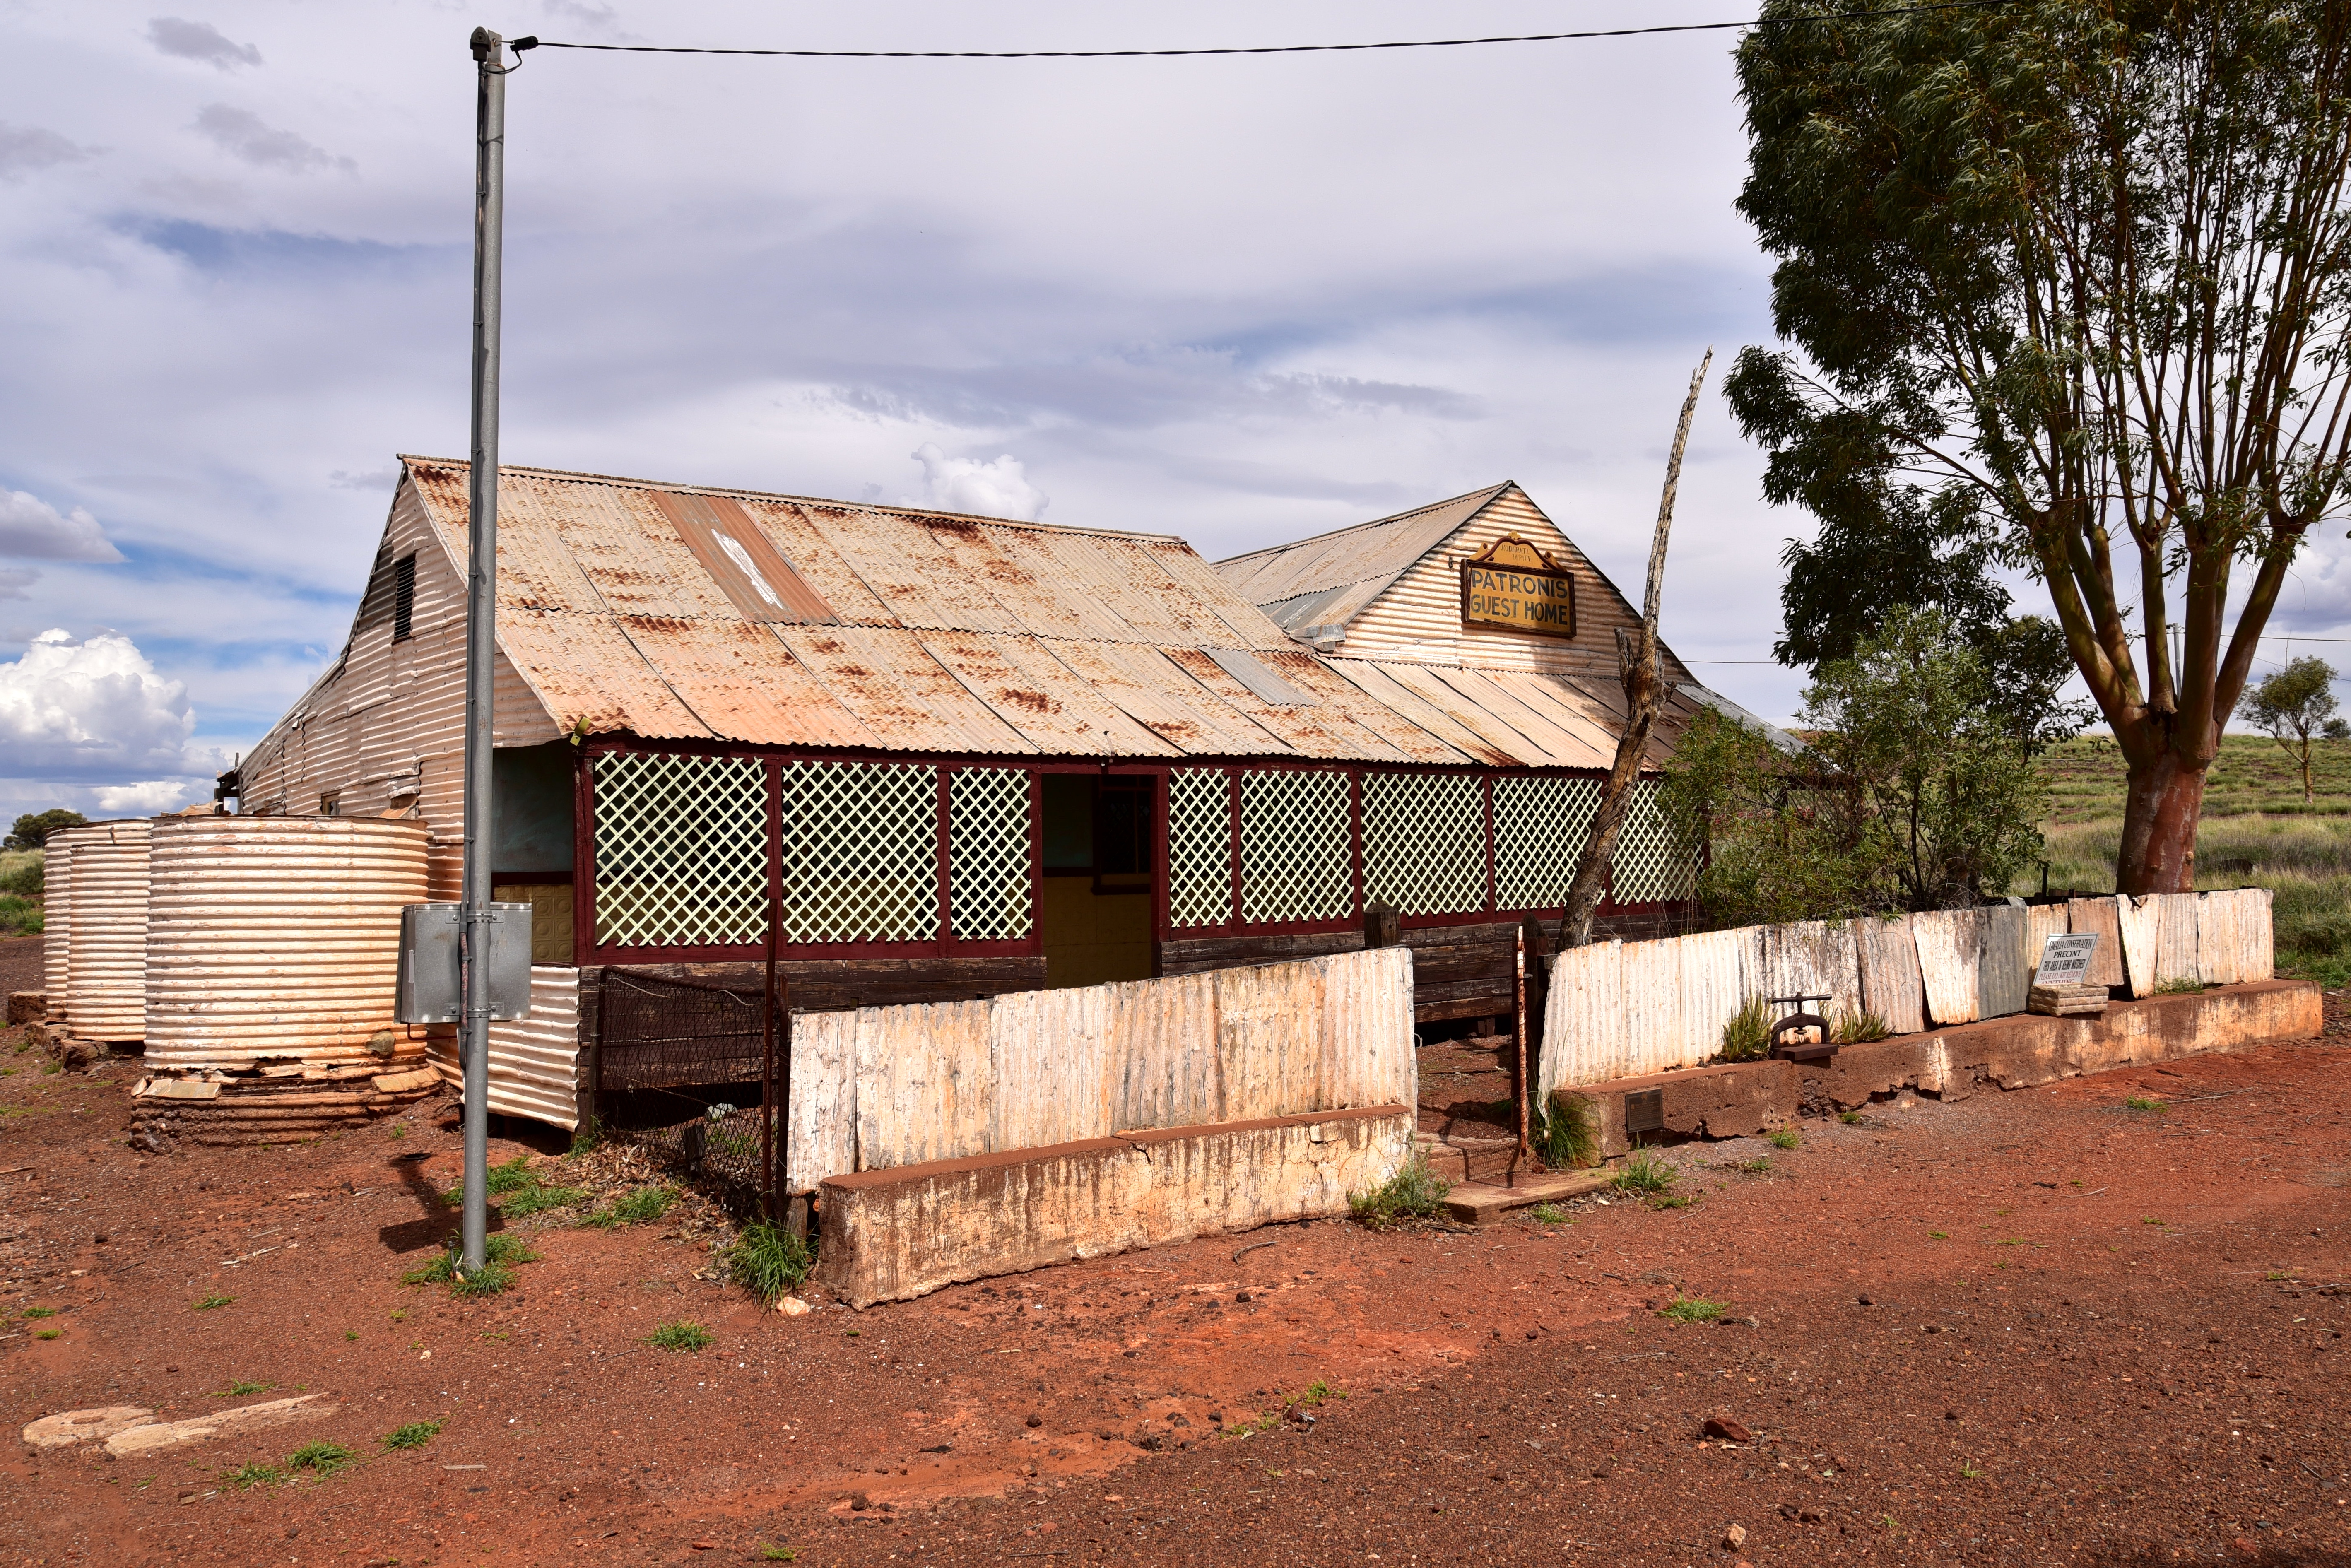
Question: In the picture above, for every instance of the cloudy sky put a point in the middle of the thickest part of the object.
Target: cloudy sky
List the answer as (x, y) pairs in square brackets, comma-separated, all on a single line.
[(1241, 300)]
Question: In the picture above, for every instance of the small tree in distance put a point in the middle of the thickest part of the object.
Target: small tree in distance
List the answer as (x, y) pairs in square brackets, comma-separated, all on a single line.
[(33, 827), (2296, 705)]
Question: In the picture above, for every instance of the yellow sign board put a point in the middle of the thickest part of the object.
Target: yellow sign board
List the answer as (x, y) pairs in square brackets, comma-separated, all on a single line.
[(1511, 585)]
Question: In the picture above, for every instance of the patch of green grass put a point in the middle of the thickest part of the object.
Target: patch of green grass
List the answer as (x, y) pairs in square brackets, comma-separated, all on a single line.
[(2146, 1102), (212, 1304), (415, 1435), (1850, 1118), (641, 1207), (246, 1476), (1674, 1200), (588, 1134), (512, 1176), (39, 1313), (349, 1335), (1968, 1470), (1646, 1172), (500, 1255), (1783, 1137), (778, 1555), (1568, 1136), (19, 916), (239, 1390), (680, 1335), (1691, 1310), (1549, 1214), (539, 1199), (1939, 1235), (319, 1459), (1413, 1193), (1760, 1165), (2149, 1220), (1747, 1036), (768, 1261), (1858, 1028), (49, 1333)]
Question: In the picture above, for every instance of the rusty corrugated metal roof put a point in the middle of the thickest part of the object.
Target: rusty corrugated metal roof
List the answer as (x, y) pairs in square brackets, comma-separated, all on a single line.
[(951, 634), (1326, 579)]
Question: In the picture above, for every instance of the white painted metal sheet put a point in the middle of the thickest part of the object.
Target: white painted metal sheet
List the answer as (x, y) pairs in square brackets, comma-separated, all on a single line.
[(1655, 1038), (1946, 942), (1164, 1070), (2003, 960), (1365, 1054), (106, 986), (1713, 987), (1813, 957), (1891, 986), (2042, 921), (821, 1139), (279, 937), (1584, 1024), (2141, 923), (2175, 935), (535, 1061), (2232, 937), (2102, 917)]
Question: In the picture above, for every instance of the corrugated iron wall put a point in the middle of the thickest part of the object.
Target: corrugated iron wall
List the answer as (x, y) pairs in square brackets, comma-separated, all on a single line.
[(1620, 1009), (535, 1061), (881, 1087)]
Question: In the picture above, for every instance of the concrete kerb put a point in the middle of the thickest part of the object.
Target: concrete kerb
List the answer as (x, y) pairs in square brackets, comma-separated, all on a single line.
[(893, 1235), (2019, 1052)]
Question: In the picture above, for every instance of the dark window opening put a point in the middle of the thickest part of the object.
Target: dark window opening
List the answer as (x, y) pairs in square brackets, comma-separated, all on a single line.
[(403, 597), (1099, 828)]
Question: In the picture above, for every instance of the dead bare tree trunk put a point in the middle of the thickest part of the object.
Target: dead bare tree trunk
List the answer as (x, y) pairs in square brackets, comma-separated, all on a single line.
[(1637, 667)]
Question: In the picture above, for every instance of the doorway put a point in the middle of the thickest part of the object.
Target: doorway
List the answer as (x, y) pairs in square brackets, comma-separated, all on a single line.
[(1095, 903)]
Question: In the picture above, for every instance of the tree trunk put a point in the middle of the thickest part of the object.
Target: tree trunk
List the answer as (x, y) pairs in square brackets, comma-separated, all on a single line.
[(2166, 800), (1637, 665)]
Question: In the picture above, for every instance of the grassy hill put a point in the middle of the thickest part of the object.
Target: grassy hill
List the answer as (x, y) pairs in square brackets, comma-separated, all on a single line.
[(2256, 832)]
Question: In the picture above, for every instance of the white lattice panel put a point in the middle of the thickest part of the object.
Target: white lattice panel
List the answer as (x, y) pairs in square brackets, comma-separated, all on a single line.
[(1424, 843), (681, 850), (1295, 844), (988, 854), (860, 853), (1199, 847), (1540, 827), (1652, 866)]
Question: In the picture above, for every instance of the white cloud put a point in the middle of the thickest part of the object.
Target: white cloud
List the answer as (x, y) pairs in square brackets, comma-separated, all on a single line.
[(149, 799), (241, 133), (31, 528), (200, 41), (25, 148), (89, 710), (997, 489)]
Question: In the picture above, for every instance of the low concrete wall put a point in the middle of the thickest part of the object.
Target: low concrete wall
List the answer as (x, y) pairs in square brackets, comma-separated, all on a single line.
[(890, 1235), (1739, 1099)]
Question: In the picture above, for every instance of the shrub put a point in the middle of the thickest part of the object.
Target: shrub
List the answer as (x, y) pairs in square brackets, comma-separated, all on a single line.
[(1747, 1036), (1783, 1137), (1413, 1193), (1568, 1138), (768, 1260), (1646, 1172), (1691, 1310), (680, 1335), (1858, 1028)]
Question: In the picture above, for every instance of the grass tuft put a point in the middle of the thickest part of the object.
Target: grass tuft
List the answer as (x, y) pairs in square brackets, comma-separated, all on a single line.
[(1747, 1036), (2146, 1102), (1568, 1136), (1645, 1172), (499, 1255), (1691, 1310), (1850, 1118), (768, 1262), (415, 1435), (778, 1555), (680, 1335), (1413, 1193), (211, 1304), (1858, 1028), (641, 1207), (1549, 1214), (39, 1312), (246, 1476), (320, 1458), (1783, 1137)]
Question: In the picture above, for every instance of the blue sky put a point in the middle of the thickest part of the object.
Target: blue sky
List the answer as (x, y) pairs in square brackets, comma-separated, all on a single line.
[(1241, 300)]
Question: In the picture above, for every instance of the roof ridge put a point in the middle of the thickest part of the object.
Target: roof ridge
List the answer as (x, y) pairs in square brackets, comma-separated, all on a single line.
[(693, 489), (1488, 491)]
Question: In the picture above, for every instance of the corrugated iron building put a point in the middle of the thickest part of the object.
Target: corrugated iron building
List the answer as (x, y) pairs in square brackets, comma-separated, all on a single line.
[(957, 755)]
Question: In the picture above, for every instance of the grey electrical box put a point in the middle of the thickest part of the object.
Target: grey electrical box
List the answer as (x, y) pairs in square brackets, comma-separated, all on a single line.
[(430, 987)]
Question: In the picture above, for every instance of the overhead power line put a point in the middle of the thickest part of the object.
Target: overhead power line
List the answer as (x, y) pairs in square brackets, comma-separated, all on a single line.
[(521, 44)]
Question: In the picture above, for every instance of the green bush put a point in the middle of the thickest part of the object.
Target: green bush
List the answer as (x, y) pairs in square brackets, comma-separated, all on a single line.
[(1413, 1193), (1747, 1036), (768, 1260)]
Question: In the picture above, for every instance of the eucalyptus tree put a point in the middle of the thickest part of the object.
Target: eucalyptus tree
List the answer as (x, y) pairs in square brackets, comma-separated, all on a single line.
[(2075, 275)]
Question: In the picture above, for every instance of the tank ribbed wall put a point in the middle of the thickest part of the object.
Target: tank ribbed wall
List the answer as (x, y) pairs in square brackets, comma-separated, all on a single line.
[(279, 936), (106, 976), (57, 918)]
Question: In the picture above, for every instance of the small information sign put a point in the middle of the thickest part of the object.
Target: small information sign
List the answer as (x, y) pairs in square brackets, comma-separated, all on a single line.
[(2065, 960)]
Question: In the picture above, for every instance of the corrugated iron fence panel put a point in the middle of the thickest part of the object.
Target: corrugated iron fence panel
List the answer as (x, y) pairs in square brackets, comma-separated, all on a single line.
[(1715, 965), (2004, 964), (882, 1087), (1583, 1019), (1652, 971), (1948, 946), (1813, 957), (2176, 936), (535, 1061), (2099, 917), (1891, 986)]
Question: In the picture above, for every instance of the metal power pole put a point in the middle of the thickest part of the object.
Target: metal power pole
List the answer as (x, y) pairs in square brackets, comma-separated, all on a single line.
[(481, 629)]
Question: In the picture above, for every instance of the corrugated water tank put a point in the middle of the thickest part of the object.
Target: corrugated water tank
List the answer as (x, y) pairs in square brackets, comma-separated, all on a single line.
[(279, 937), (57, 918), (105, 974)]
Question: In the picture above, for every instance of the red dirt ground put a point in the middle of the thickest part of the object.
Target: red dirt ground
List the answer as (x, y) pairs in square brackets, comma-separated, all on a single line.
[(2030, 1328)]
